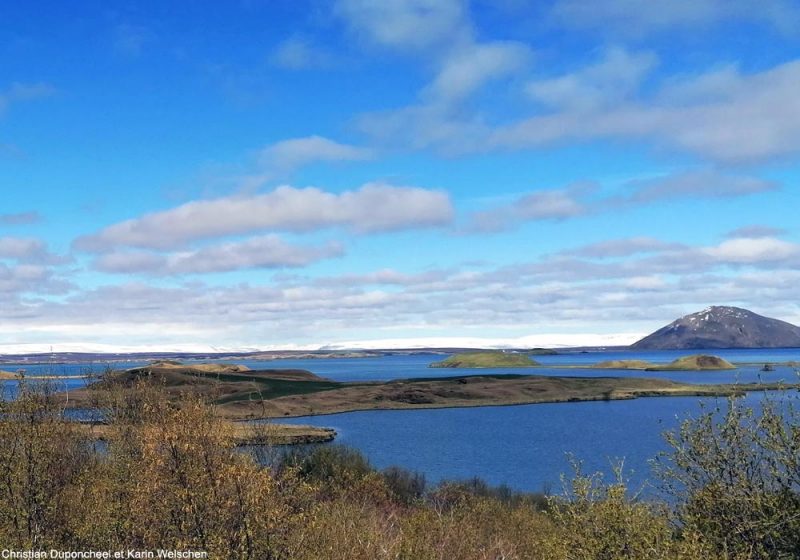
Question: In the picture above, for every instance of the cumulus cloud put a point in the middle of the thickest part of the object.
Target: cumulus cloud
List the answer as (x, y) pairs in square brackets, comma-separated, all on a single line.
[(374, 207), (406, 24), (29, 278), (28, 250), (466, 69), (555, 204), (615, 78), (754, 250), (442, 35), (261, 252), (291, 154), (761, 108), (701, 183)]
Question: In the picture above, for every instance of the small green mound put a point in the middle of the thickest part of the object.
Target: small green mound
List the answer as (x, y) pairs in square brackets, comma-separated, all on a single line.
[(624, 364), (699, 362), (487, 360), (542, 352)]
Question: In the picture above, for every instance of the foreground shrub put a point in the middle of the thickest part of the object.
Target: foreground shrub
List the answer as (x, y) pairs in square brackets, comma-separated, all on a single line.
[(41, 456), (735, 474)]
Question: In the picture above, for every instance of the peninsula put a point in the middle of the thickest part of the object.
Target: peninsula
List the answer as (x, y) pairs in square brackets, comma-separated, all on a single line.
[(245, 395)]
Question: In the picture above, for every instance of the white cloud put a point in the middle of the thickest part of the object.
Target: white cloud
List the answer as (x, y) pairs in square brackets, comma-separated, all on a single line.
[(294, 153), (613, 79), (552, 294), (21, 248), (374, 207), (269, 251), (442, 36), (466, 69), (702, 183), (754, 250), (28, 279), (555, 204), (755, 117), (646, 283), (406, 24), (28, 250)]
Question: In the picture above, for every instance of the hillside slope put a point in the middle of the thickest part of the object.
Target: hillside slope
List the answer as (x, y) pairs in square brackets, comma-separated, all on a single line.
[(722, 327)]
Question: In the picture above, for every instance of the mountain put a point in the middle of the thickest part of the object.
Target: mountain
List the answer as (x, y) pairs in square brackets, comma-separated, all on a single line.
[(722, 327)]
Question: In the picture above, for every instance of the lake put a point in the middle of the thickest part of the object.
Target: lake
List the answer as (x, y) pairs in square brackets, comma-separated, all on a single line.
[(527, 447)]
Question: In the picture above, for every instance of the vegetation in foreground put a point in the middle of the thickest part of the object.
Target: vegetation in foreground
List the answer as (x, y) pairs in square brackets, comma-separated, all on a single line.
[(169, 477)]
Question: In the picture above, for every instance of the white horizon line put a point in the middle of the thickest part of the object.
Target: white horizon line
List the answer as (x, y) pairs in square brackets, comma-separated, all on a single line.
[(573, 340)]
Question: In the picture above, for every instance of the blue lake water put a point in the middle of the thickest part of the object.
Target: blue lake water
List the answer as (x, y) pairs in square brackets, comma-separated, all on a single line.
[(528, 446)]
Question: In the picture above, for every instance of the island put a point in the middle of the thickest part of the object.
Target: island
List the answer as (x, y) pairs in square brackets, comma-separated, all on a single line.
[(624, 364), (488, 359), (541, 352), (247, 395), (698, 362)]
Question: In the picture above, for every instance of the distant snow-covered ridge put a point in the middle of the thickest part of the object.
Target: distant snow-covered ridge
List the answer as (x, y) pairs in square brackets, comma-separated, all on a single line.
[(531, 341)]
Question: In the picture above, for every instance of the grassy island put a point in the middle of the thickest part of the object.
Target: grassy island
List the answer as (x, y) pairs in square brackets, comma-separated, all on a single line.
[(624, 364), (541, 352), (699, 362), (494, 359)]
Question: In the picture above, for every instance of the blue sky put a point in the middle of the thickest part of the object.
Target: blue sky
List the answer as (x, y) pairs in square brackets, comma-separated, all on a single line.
[(294, 174)]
